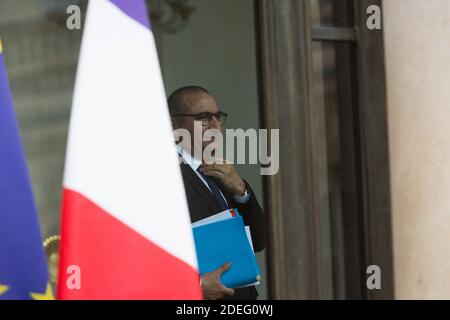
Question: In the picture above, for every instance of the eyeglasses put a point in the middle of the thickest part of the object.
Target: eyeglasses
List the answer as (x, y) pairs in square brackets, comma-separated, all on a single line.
[(206, 117)]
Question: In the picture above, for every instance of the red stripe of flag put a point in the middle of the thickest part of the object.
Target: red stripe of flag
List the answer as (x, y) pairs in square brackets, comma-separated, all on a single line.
[(106, 249)]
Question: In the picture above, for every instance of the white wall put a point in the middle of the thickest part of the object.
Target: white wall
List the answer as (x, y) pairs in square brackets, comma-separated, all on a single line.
[(417, 44)]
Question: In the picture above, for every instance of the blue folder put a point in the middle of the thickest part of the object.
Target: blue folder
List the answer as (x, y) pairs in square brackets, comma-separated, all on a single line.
[(223, 241)]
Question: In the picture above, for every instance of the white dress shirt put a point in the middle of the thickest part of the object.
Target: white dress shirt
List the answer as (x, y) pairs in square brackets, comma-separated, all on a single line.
[(195, 164)]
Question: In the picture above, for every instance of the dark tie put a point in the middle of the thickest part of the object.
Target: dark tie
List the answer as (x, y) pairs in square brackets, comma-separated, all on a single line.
[(215, 191)]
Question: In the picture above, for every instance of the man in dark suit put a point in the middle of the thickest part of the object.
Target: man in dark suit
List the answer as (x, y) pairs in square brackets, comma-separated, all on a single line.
[(212, 188)]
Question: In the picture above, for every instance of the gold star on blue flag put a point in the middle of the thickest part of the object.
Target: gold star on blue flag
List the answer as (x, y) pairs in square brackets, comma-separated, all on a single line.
[(23, 268)]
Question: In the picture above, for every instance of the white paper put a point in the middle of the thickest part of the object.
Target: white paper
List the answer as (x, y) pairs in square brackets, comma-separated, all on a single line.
[(224, 215)]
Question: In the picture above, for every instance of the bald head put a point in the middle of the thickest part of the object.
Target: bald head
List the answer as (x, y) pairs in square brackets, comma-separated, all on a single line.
[(181, 99), (186, 105)]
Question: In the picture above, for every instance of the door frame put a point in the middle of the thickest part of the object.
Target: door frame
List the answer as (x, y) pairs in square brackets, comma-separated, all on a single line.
[(284, 48)]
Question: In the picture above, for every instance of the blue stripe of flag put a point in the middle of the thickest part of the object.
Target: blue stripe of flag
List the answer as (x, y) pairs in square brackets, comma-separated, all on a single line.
[(23, 266)]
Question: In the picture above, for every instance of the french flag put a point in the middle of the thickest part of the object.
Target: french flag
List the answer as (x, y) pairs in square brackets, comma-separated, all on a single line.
[(125, 230)]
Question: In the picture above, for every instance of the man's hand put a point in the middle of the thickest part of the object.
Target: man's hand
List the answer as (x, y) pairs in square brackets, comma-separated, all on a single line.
[(212, 288), (227, 174)]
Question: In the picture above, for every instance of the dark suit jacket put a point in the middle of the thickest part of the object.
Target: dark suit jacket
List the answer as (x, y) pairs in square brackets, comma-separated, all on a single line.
[(202, 204)]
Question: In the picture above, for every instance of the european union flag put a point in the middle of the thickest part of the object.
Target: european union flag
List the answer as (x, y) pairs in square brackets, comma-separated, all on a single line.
[(23, 268)]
